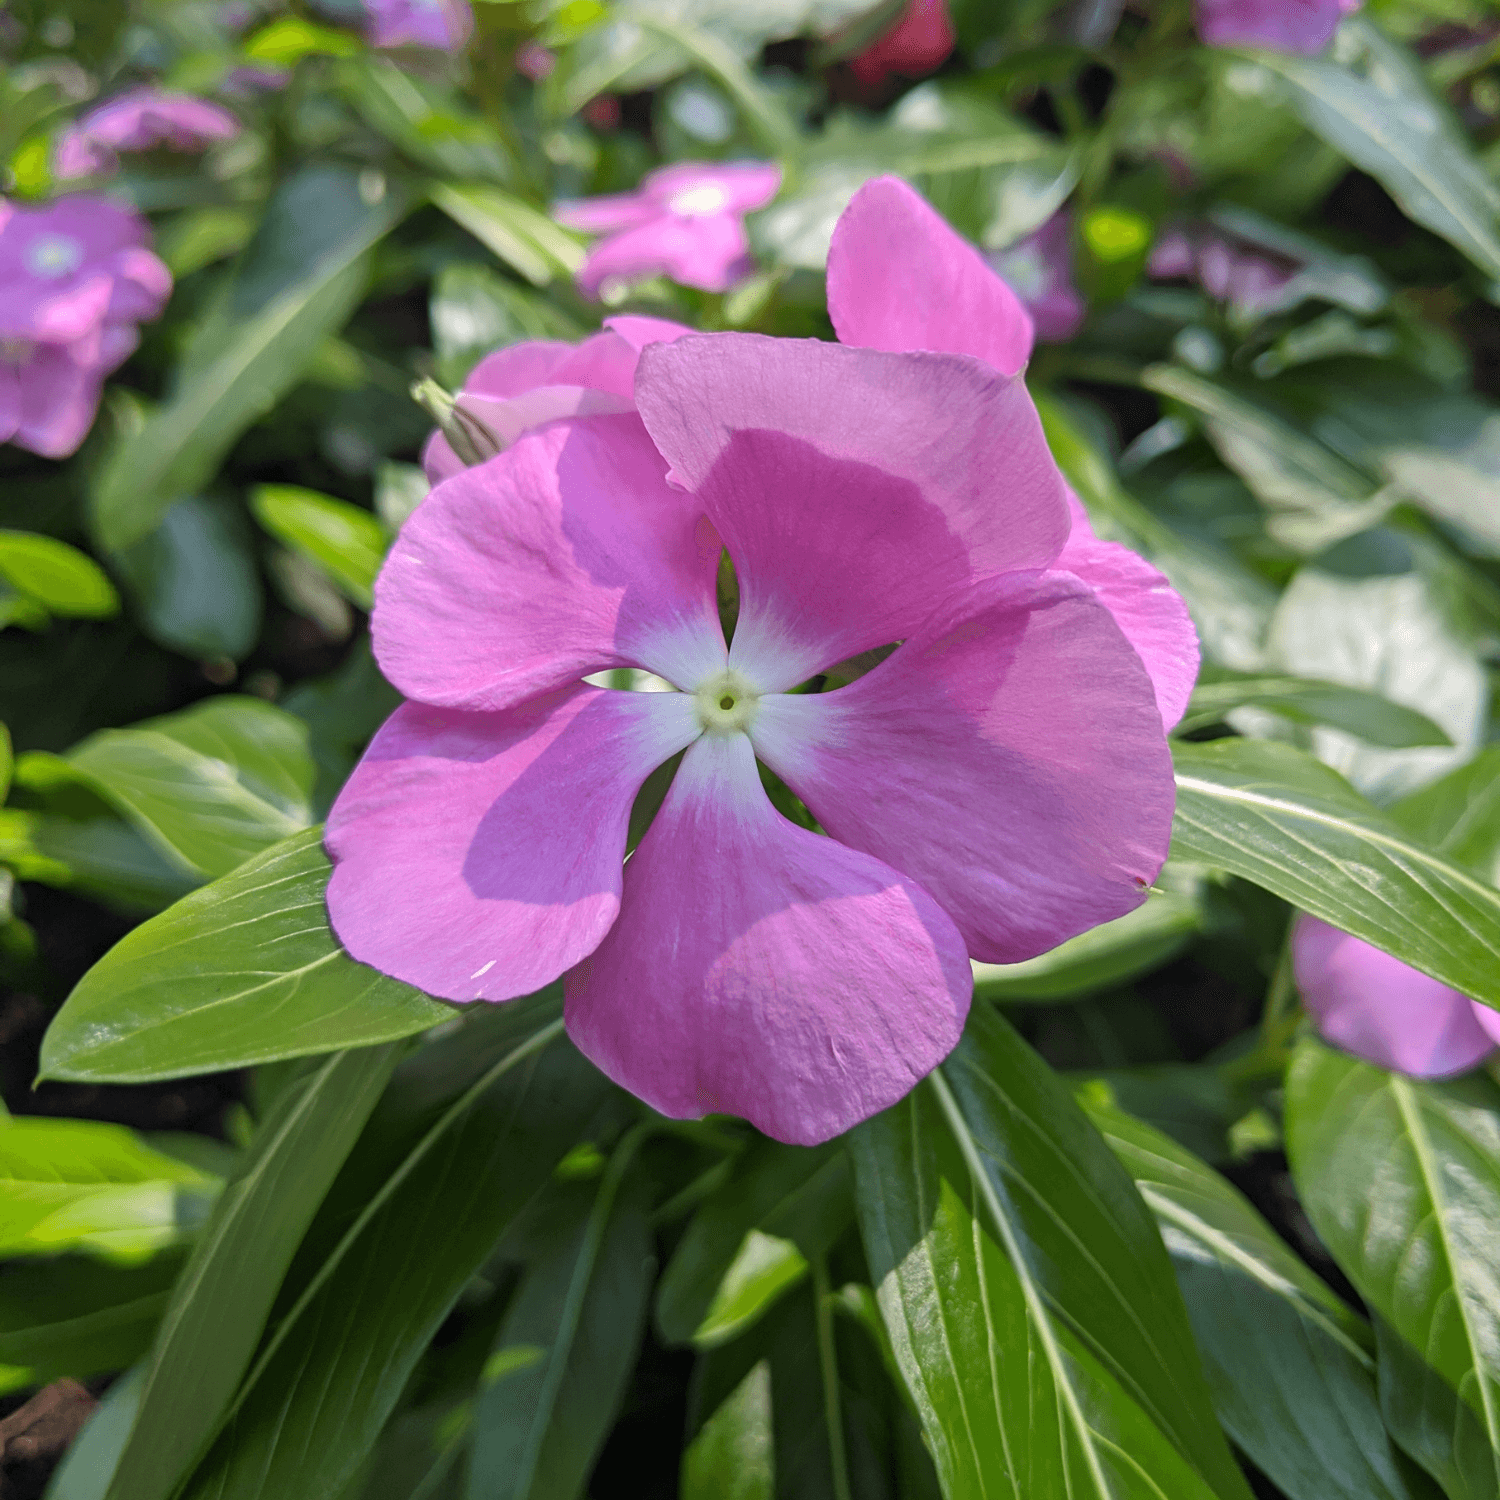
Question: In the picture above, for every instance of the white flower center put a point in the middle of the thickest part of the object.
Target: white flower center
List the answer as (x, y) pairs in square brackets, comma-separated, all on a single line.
[(53, 255), (699, 202), (726, 703)]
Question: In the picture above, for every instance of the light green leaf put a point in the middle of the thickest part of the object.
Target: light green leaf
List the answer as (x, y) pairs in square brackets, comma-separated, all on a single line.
[(346, 542), (733, 1457), (243, 971), (475, 310), (86, 1186), (60, 578), (209, 786), (1275, 816), (84, 1471), (525, 239), (1460, 815)]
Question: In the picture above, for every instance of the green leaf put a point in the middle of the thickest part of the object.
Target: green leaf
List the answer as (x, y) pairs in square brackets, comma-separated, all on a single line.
[(526, 240), (474, 311), (733, 1455), (209, 786), (751, 1240), (82, 1185), (425, 1219), (538, 1429), (219, 1307), (1370, 102), (1401, 1179), (1029, 1301), (60, 578), (1289, 1365), (1304, 700), (84, 1471), (1275, 816), (1460, 815), (298, 281), (243, 971), (346, 542)]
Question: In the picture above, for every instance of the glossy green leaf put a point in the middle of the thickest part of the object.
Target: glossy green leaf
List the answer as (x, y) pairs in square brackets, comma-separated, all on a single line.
[(219, 1307), (527, 241), (538, 1429), (1030, 1304), (86, 1186), (1303, 700), (1370, 102), (243, 971), (427, 1219), (733, 1455), (1291, 1368), (1401, 1179), (1275, 816), (346, 542), (209, 786), (752, 1239), (1460, 815), (298, 281), (60, 578)]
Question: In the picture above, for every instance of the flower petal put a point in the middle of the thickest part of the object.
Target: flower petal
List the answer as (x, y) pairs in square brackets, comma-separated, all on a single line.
[(709, 252), (853, 488), (565, 554), (478, 856), (1383, 1010), (761, 970), (900, 278), (1149, 611), (1009, 757)]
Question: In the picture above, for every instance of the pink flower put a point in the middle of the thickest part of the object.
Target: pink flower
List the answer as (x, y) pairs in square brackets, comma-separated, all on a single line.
[(140, 120), (1383, 1010), (1039, 269), (445, 25), (998, 783), (75, 276), (523, 386), (687, 221), (1250, 280), (1305, 26), (919, 42)]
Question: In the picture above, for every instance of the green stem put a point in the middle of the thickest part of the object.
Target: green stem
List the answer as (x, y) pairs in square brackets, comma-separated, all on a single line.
[(833, 1415)]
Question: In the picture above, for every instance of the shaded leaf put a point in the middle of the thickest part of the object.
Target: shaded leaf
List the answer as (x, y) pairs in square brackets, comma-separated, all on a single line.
[(346, 542)]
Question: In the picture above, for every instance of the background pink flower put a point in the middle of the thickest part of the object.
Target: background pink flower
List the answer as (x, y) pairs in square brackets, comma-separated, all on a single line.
[(1385, 1011), (1039, 269), (685, 221), (445, 25), (141, 120), (1251, 280), (75, 277), (919, 42), (1305, 26)]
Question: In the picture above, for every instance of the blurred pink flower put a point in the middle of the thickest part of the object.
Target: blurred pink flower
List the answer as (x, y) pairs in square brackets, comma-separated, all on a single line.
[(1305, 26), (1249, 279), (260, 78), (917, 44), (1039, 269), (1385, 1011), (525, 385), (445, 25), (535, 61), (75, 277), (686, 220), (140, 120)]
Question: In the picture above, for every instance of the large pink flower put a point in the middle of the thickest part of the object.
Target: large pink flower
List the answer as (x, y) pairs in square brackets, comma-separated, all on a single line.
[(1305, 26), (686, 221), (1385, 1011), (139, 120), (75, 277), (997, 784)]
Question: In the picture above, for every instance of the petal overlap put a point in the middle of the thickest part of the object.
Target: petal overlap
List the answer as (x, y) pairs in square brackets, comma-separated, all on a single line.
[(566, 554), (759, 969), (853, 488), (478, 856), (1009, 758)]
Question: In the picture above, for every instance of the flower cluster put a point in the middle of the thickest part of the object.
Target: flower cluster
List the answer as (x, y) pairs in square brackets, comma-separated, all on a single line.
[(997, 783), (76, 276), (140, 120)]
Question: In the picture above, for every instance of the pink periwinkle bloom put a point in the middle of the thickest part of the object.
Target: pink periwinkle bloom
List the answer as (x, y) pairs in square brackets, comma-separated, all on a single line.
[(141, 120), (444, 25), (1039, 269), (1305, 26), (686, 220), (1385, 1011), (920, 41), (75, 277), (1250, 280), (996, 784)]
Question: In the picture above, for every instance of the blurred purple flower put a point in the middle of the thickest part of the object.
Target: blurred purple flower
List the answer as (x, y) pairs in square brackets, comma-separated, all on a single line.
[(138, 121), (1385, 1011), (445, 25), (1305, 26), (687, 221), (919, 42), (535, 61), (251, 79), (1250, 280), (1039, 270), (75, 277)]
